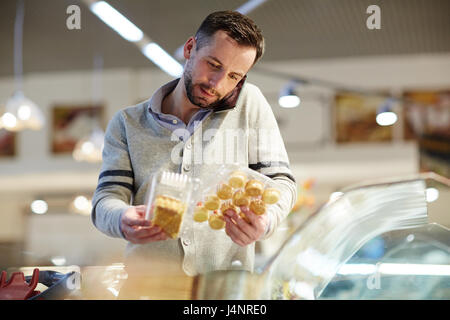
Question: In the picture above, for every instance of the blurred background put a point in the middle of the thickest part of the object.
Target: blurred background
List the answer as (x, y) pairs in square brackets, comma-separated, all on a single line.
[(369, 98)]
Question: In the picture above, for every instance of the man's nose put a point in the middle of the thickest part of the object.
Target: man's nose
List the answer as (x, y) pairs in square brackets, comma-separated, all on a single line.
[(216, 80)]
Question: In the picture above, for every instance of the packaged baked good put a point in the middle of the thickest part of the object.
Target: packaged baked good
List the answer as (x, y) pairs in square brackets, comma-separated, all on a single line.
[(240, 198), (254, 188), (212, 202), (216, 220), (169, 197), (200, 213), (224, 191), (271, 195), (257, 206), (231, 187), (237, 179)]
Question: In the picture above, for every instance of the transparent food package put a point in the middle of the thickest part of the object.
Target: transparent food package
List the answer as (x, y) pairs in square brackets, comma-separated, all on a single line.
[(231, 187), (169, 198)]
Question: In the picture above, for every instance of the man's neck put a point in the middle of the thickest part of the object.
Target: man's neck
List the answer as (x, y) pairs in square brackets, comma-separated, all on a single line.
[(176, 103)]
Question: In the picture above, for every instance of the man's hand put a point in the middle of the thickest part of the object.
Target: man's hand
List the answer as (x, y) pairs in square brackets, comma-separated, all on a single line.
[(242, 232), (138, 230)]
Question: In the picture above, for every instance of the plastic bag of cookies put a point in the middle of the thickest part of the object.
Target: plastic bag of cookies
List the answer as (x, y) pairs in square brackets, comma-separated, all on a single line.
[(169, 197), (232, 187)]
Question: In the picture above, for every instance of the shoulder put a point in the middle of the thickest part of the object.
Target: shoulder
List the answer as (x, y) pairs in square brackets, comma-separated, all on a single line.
[(126, 117), (251, 91), (130, 113), (252, 99), (134, 112)]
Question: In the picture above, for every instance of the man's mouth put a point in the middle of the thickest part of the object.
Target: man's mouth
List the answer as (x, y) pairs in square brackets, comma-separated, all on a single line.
[(206, 93)]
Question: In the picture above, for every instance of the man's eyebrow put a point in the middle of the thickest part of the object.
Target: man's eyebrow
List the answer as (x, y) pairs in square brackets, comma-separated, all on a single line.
[(215, 59), (220, 62)]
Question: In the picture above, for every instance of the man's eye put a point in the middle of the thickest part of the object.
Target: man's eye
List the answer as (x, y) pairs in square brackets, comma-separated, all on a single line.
[(215, 66)]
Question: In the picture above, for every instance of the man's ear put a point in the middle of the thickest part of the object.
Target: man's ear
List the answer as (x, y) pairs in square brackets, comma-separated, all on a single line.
[(189, 46)]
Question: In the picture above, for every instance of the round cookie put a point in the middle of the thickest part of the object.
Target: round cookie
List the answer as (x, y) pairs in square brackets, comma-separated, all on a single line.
[(258, 207), (254, 188), (212, 202), (224, 191), (216, 221), (228, 205), (271, 195), (240, 199), (237, 179), (200, 214)]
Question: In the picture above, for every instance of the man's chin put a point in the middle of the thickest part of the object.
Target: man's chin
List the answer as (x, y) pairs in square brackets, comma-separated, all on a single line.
[(201, 103)]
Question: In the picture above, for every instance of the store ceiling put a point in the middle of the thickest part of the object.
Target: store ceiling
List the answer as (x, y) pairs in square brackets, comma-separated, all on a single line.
[(294, 29)]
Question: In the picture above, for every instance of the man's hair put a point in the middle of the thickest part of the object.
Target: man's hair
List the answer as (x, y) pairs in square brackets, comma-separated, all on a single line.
[(238, 26)]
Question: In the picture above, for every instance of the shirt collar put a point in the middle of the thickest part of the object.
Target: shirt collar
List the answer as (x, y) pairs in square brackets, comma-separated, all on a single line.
[(157, 98)]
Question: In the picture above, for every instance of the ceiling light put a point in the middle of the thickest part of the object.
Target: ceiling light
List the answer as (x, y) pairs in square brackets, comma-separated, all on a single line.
[(58, 260), (432, 194), (162, 59), (288, 98), (26, 113), (116, 21), (9, 121), (81, 202), (90, 148), (39, 206), (289, 101), (130, 32), (385, 115), (387, 118), (82, 205), (20, 112), (250, 6)]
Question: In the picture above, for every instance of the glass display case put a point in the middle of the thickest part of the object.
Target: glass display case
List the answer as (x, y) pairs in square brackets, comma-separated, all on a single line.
[(374, 241)]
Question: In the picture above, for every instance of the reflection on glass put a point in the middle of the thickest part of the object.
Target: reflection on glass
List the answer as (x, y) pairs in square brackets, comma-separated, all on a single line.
[(339, 230), (415, 265)]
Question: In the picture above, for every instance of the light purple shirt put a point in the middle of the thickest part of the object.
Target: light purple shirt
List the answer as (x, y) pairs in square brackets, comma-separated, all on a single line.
[(172, 122)]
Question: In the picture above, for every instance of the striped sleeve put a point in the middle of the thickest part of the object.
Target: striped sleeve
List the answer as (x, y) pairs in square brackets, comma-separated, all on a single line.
[(115, 182), (268, 156)]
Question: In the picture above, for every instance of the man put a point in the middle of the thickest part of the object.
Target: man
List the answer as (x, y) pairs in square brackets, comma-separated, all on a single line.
[(169, 132)]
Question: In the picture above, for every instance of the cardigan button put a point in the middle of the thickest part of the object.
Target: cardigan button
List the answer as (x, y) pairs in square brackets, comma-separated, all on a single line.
[(187, 167)]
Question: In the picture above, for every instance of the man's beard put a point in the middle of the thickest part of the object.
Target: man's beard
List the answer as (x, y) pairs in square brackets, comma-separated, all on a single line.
[(195, 100)]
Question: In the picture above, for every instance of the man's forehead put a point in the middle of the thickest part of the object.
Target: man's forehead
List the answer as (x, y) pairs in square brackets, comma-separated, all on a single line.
[(224, 49)]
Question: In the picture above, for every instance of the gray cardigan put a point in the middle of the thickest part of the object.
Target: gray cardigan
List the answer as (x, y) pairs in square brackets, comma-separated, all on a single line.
[(136, 146)]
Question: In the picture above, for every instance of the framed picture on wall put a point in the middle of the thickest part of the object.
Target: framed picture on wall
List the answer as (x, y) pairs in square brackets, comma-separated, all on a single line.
[(7, 143), (426, 112), (426, 115), (354, 119), (70, 123)]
